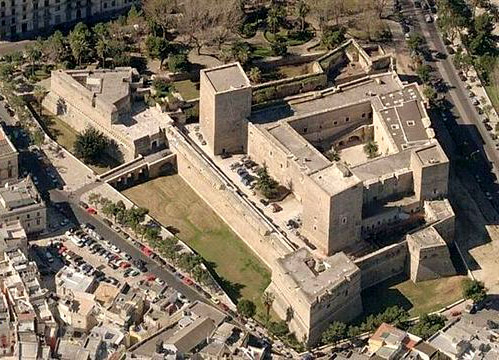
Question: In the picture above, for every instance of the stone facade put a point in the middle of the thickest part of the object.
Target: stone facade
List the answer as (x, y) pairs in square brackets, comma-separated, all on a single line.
[(403, 187), (312, 293), (21, 18), (21, 202), (9, 167), (104, 99), (225, 105)]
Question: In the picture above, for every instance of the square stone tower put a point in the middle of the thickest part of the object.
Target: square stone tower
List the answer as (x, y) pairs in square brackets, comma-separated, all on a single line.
[(224, 107)]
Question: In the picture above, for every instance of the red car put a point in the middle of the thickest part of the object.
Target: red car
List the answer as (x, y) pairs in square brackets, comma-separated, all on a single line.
[(224, 307), (188, 281), (91, 211), (150, 277), (125, 265)]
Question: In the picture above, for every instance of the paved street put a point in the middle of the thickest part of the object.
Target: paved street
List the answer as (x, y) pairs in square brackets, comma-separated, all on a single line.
[(81, 216)]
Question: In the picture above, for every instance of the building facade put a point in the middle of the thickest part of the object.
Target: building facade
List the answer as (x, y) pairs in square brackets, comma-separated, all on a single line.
[(24, 18), (21, 202), (9, 166)]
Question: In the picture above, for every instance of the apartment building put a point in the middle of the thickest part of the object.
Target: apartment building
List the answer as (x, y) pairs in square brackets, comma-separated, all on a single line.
[(9, 167), (24, 18)]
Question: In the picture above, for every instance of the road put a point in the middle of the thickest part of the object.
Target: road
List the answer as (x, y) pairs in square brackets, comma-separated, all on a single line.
[(463, 131), (81, 217)]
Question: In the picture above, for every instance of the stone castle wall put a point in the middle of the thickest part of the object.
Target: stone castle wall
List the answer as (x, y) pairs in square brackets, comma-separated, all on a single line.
[(242, 220), (383, 264)]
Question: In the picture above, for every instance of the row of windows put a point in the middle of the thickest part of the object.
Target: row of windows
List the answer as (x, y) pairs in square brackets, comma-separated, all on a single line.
[(347, 119)]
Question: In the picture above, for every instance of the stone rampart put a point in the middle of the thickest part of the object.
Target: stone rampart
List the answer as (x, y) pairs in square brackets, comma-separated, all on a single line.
[(226, 203), (383, 264)]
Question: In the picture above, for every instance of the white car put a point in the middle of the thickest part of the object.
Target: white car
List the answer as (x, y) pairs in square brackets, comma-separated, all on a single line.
[(115, 249), (159, 281)]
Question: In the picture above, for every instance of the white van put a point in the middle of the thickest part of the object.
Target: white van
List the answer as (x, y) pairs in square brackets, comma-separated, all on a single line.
[(49, 257)]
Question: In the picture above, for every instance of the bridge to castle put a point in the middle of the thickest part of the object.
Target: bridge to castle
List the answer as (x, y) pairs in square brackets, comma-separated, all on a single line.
[(140, 169)]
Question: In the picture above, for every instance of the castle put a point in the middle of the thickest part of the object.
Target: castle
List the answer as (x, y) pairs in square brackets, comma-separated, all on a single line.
[(352, 208)]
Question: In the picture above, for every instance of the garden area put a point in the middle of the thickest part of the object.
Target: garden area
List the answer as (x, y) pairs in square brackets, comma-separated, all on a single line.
[(66, 136), (173, 203)]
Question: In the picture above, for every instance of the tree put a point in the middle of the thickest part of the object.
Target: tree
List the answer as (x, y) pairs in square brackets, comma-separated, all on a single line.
[(33, 53), (278, 328), (37, 137), (424, 73), (379, 7), (266, 184), (427, 325), (414, 42), (6, 72), (209, 21), (275, 18), (255, 75), (39, 93), (178, 63), (279, 46), (301, 11), (157, 48), (246, 308), (371, 149), (267, 300), (430, 93), (79, 42), (56, 47), (331, 38), (102, 50), (335, 332), (90, 144), (474, 290), (161, 13)]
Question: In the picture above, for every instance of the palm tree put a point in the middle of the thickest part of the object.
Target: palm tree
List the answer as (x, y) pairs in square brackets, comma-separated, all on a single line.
[(267, 300), (39, 93), (102, 49), (301, 10), (34, 54), (371, 149), (274, 18), (255, 75)]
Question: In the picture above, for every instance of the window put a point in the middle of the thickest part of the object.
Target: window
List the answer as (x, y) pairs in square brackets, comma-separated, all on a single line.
[(305, 130), (344, 220), (364, 115), (411, 123), (347, 119)]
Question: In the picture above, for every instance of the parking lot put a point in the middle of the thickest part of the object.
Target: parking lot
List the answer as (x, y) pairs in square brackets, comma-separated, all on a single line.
[(88, 252)]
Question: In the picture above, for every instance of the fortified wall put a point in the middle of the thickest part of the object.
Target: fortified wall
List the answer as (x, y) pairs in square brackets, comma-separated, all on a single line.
[(225, 202)]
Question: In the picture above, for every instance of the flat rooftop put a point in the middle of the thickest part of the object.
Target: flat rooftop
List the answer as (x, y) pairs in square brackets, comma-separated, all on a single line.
[(427, 238), (335, 178), (108, 85), (431, 155), (142, 123), (304, 152), (73, 280), (6, 147), (298, 265), (379, 167), (18, 195), (227, 77)]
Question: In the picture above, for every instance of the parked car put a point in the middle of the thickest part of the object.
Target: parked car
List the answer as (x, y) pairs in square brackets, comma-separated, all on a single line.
[(83, 204)]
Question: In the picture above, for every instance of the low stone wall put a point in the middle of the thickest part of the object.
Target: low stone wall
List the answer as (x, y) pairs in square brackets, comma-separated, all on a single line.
[(290, 59), (383, 264), (226, 203)]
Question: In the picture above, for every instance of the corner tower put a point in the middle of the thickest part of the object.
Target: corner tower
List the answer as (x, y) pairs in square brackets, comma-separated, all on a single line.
[(224, 107)]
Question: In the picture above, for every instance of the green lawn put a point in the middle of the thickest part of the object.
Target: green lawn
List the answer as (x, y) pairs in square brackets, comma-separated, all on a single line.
[(172, 202), (65, 136), (493, 92), (188, 89), (420, 298)]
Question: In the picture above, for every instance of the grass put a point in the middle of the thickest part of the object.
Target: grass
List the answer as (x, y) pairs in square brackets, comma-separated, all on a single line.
[(188, 89), (65, 136), (420, 298), (493, 92), (259, 52), (173, 203), (291, 39)]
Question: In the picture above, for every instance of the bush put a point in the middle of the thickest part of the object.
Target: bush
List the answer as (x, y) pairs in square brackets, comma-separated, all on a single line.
[(278, 328), (427, 325), (90, 145), (279, 47), (246, 308), (178, 63), (474, 290), (332, 38), (248, 30)]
